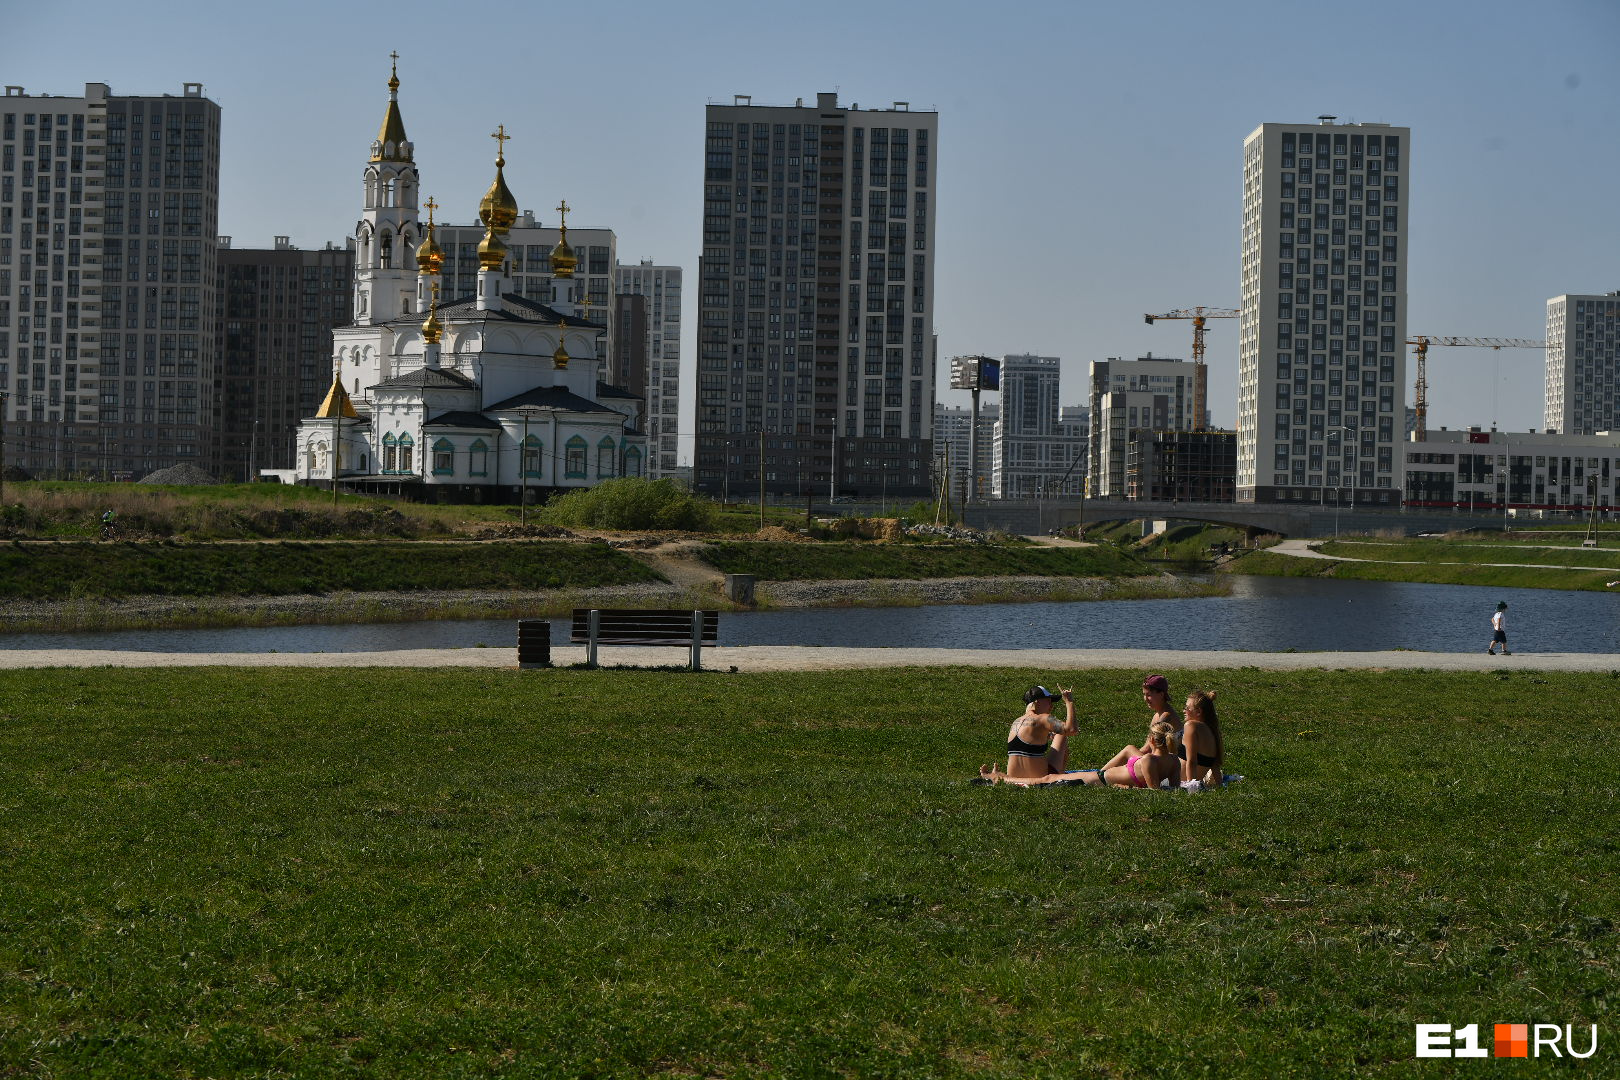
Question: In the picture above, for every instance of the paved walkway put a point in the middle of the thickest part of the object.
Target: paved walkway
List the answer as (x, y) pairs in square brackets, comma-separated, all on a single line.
[(755, 658)]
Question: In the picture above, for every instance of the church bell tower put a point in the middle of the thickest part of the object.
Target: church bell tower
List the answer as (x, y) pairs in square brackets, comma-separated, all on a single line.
[(385, 237)]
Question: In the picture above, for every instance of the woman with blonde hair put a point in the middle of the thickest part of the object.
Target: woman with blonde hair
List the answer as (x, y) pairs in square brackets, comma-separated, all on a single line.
[(1202, 751), (1153, 766)]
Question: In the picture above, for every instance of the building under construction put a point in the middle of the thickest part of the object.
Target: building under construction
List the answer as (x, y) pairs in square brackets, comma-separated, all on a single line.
[(1187, 466)]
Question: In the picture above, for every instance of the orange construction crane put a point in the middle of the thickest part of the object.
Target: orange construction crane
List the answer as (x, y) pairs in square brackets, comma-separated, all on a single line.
[(1197, 315), (1421, 345)]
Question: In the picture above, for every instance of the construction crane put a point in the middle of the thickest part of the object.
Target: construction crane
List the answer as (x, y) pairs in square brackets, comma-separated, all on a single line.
[(1421, 345), (1198, 315)]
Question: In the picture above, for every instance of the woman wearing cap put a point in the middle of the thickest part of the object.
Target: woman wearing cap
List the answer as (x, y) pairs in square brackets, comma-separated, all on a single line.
[(1037, 744), (1156, 764)]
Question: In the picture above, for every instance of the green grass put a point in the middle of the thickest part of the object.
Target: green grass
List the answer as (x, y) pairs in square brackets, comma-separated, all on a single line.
[(1442, 562), (280, 873), (66, 510), (73, 571), (857, 561), (1473, 552)]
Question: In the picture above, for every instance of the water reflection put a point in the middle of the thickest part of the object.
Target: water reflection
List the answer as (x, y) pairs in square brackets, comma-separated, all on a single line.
[(1262, 614)]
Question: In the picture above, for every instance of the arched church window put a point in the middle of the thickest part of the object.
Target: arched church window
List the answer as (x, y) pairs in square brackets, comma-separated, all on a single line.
[(387, 251), (605, 459), (478, 459), (444, 458), (531, 457), (632, 461), (407, 446), (574, 463), (390, 451)]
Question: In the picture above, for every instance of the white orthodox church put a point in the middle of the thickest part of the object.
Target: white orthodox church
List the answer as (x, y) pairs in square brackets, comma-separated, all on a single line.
[(488, 398)]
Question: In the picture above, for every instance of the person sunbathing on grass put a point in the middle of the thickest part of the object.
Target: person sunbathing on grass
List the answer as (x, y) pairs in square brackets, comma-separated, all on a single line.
[(1154, 765), (1202, 750), (1037, 744), (1156, 693)]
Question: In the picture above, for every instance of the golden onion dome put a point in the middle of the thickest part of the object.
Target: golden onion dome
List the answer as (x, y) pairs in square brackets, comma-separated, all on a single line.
[(560, 358), (432, 328), (491, 251), (563, 259), (430, 256), (498, 210)]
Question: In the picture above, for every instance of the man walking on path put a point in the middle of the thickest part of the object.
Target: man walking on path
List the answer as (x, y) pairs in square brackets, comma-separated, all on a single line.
[(1499, 630)]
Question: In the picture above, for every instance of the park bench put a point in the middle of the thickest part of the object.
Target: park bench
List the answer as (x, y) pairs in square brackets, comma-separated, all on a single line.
[(630, 626)]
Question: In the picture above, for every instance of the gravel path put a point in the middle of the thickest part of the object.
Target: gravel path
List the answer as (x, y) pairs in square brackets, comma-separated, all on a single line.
[(756, 658)]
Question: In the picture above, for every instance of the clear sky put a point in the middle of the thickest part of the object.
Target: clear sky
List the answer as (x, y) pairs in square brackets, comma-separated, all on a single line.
[(1090, 154)]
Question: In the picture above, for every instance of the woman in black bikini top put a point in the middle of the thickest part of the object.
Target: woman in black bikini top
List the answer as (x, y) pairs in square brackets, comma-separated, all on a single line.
[(1037, 743), (1201, 749)]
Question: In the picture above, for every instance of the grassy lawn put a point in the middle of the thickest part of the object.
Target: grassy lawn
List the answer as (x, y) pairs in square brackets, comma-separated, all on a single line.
[(381, 873), (1475, 552), (1442, 562), (66, 571), (855, 561)]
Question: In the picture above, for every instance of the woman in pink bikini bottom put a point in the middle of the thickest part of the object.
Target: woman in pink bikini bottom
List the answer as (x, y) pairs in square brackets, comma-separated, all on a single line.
[(1156, 763)]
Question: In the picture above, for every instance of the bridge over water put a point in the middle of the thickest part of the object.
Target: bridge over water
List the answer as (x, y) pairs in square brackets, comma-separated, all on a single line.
[(1029, 516)]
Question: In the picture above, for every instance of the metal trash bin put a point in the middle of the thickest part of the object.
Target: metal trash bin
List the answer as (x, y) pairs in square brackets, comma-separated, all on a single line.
[(740, 588), (534, 643)]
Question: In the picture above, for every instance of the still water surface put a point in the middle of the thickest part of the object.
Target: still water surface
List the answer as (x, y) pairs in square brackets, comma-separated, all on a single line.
[(1262, 614)]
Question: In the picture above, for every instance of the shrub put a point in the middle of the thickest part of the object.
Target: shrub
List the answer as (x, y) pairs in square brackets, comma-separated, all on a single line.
[(631, 503)]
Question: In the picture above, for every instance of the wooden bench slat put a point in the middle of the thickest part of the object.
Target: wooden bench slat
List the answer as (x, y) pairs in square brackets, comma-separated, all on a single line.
[(644, 626)]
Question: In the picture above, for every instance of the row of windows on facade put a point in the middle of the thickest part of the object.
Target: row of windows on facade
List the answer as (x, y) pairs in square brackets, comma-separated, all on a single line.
[(398, 454)]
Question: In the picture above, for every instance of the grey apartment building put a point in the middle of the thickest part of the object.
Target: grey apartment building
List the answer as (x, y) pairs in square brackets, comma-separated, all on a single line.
[(1321, 399), (816, 293), (655, 293), (109, 206), (1583, 364), (278, 306)]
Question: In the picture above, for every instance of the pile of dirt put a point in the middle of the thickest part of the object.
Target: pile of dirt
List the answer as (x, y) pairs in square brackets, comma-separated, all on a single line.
[(779, 535), (522, 532), (186, 473)]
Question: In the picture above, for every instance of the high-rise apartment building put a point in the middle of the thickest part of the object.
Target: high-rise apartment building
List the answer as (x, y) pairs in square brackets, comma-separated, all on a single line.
[(109, 206), (1034, 452), (274, 353), (1323, 368), (954, 444), (816, 300), (1583, 364), (1129, 397), (660, 288)]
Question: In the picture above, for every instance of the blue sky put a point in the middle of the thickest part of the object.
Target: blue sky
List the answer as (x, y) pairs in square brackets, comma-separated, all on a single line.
[(1089, 154)]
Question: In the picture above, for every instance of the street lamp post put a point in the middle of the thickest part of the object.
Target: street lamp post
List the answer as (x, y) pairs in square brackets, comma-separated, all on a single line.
[(1338, 489)]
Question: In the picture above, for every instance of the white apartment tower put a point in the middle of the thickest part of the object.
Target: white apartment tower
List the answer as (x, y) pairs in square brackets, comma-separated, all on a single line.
[(1583, 364), (109, 206), (1131, 396), (1323, 365), (816, 299), (660, 286), (1033, 450)]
